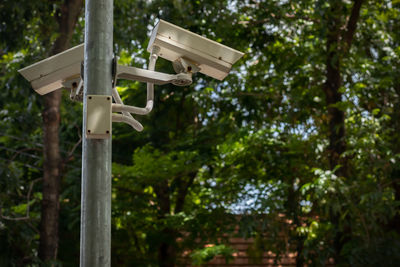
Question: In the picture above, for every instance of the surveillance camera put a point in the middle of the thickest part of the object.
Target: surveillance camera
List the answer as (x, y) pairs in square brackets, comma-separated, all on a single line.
[(64, 70), (189, 52), (55, 72), (175, 43)]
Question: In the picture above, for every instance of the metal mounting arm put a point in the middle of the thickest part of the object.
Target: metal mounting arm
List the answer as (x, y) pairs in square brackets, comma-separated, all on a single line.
[(126, 119), (151, 77), (126, 116), (155, 77)]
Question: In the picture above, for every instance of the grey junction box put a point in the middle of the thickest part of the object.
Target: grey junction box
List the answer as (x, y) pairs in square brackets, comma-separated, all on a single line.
[(98, 116)]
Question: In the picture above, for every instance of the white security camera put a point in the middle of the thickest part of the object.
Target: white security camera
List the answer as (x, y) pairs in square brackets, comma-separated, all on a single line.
[(64, 70), (175, 43), (189, 53), (52, 73)]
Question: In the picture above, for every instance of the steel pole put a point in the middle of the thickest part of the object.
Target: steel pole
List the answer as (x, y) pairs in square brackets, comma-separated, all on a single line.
[(96, 154)]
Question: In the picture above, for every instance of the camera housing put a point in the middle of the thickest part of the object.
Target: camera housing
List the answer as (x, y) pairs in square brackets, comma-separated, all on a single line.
[(189, 53), (212, 58), (54, 72)]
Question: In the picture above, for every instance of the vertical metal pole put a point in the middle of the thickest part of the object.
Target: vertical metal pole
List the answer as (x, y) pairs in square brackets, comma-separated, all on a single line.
[(96, 154)]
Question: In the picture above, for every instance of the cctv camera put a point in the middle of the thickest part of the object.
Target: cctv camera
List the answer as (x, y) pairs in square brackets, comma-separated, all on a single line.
[(64, 70), (188, 51), (175, 43), (55, 72)]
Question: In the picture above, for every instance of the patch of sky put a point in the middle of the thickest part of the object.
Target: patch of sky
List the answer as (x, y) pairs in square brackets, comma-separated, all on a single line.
[(232, 6), (252, 198)]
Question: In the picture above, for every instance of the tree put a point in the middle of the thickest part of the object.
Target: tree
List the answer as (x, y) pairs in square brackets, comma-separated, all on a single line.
[(66, 16), (338, 45), (297, 148), (56, 24), (288, 72), (179, 138)]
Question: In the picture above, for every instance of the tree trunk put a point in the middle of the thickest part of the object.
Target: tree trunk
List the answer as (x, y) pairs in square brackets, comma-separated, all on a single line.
[(336, 127), (166, 248), (394, 223), (337, 143), (51, 183), (337, 45), (183, 189), (48, 247)]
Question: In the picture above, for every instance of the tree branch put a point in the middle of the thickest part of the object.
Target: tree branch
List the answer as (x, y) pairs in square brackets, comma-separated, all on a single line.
[(182, 192), (68, 157), (352, 24), (28, 198), (18, 152), (130, 191)]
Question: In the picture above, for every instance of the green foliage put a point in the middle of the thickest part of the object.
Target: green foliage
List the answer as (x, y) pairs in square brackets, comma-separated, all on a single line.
[(152, 166), (204, 255), (247, 157)]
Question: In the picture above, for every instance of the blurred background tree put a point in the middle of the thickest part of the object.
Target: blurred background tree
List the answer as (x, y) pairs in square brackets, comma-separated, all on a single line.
[(301, 138)]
